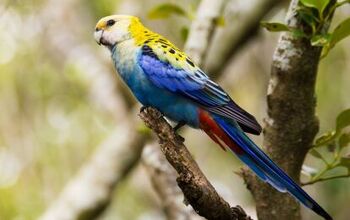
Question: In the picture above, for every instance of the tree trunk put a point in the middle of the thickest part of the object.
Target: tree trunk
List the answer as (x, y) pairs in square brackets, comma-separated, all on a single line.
[(291, 124)]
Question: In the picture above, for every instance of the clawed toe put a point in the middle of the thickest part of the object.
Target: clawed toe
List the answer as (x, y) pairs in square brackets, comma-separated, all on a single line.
[(143, 108)]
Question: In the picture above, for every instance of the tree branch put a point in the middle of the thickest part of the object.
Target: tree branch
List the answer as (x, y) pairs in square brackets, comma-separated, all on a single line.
[(202, 29), (325, 179), (291, 124), (197, 189)]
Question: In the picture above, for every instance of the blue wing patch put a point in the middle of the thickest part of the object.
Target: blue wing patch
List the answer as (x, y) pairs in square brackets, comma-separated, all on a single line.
[(193, 83)]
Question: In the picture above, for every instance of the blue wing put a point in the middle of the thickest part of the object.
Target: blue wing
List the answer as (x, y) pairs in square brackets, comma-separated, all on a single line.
[(173, 71)]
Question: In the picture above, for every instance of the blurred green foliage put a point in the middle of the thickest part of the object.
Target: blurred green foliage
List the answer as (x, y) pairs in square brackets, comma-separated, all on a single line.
[(335, 141), (314, 13)]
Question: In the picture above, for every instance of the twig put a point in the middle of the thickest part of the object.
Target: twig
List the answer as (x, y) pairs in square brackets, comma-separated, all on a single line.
[(325, 179), (197, 189)]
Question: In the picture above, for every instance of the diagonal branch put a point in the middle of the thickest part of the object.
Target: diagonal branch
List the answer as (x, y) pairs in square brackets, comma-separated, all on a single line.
[(202, 29), (325, 179), (197, 189)]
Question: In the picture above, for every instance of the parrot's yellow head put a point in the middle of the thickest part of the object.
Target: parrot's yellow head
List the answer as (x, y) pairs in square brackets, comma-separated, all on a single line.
[(114, 29)]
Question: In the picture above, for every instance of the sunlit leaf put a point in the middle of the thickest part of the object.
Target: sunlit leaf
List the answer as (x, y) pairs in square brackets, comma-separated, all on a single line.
[(274, 26), (340, 32), (325, 138), (320, 40), (325, 50), (320, 5), (343, 120), (165, 11), (344, 140)]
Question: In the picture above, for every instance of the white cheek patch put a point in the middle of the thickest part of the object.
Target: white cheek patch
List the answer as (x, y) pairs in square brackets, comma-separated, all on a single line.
[(112, 37), (118, 33), (115, 36)]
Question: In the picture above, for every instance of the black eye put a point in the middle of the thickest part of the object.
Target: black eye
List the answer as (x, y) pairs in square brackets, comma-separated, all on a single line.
[(110, 22)]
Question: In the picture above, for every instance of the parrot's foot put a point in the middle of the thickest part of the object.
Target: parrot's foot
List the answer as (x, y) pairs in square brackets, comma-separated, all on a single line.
[(153, 111), (143, 108), (179, 125), (180, 139)]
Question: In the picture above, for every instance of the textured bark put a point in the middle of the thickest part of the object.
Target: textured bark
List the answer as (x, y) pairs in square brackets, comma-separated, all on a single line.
[(197, 189), (291, 124)]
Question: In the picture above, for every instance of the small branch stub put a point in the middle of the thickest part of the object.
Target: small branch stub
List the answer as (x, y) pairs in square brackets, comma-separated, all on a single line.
[(197, 190)]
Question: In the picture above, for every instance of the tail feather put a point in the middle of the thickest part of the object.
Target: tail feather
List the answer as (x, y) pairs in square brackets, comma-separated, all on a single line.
[(236, 140)]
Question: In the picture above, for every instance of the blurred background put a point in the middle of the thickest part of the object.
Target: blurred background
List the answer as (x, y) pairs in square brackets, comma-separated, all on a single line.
[(58, 104)]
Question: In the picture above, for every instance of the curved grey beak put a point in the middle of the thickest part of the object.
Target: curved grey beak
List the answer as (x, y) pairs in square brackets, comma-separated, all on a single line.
[(98, 36)]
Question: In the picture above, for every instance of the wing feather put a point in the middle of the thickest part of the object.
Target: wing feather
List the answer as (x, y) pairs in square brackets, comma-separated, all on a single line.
[(177, 73)]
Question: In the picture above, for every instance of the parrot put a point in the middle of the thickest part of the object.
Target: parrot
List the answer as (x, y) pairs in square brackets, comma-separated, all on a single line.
[(163, 77)]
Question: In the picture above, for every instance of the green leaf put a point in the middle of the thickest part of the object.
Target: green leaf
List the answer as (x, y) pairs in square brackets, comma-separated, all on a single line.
[(320, 5), (344, 140), (316, 154), (320, 40), (325, 138), (165, 11), (325, 50), (340, 32), (184, 33), (274, 26), (343, 120), (308, 16)]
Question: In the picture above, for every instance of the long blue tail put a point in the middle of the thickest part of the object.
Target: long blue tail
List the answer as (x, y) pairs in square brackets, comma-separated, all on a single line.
[(265, 168)]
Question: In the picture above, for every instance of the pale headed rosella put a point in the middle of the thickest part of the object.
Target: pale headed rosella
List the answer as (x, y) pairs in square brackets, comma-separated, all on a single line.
[(163, 77)]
